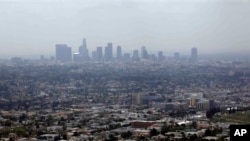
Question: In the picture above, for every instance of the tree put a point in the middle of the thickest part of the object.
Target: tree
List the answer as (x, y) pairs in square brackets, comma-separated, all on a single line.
[(193, 137), (210, 113), (194, 124), (50, 120), (22, 118), (7, 123), (183, 135), (64, 137), (184, 138), (141, 138), (208, 132), (216, 131), (112, 138), (76, 134), (126, 135), (164, 129), (222, 138), (20, 131), (153, 132)]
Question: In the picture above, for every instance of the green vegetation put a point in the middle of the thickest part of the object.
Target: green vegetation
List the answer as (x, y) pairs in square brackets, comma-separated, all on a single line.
[(19, 131), (242, 117)]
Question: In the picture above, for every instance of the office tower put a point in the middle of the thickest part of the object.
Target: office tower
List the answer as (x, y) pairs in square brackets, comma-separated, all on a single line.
[(94, 55), (83, 50), (119, 52), (109, 52), (144, 53), (160, 56), (126, 57), (16, 60), (135, 55), (52, 58), (69, 53), (212, 104), (153, 57), (194, 54), (77, 57), (63, 53), (84, 43), (42, 58), (106, 53), (177, 55), (99, 53)]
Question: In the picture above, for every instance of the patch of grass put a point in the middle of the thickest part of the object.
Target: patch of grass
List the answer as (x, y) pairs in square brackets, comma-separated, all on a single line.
[(242, 117)]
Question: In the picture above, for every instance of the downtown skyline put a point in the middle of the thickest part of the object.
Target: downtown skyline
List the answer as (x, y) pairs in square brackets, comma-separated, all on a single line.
[(110, 52), (34, 27), (187, 53)]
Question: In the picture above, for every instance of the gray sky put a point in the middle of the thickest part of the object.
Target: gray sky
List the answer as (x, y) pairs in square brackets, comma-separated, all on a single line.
[(214, 26)]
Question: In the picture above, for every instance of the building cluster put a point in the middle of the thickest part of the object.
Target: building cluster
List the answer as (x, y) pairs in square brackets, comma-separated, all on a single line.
[(117, 100), (180, 102), (64, 54)]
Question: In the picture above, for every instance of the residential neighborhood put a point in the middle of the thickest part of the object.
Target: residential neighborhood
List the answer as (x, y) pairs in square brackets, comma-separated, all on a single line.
[(123, 100)]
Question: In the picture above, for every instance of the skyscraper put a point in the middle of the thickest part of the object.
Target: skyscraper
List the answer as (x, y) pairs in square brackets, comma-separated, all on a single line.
[(106, 53), (63, 53), (83, 50), (99, 53), (77, 57), (160, 56), (109, 52), (119, 52), (144, 53), (126, 57), (135, 55), (194, 54), (176, 55), (94, 55)]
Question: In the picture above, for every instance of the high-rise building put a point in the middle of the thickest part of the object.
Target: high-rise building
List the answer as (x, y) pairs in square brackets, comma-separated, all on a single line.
[(152, 57), (106, 53), (160, 56), (126, 57), (77, 57), (94, 55), (119, 52), (83, 50), (84, 43), (52, 58), (144, 53), (135, 56), (177, 55), (42, 58), (194, 54), (17, 60), (63, 53), (109, 52), (99, 53)]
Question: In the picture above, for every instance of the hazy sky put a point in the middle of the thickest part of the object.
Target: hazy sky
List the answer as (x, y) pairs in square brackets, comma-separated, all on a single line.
[(214, 26)]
